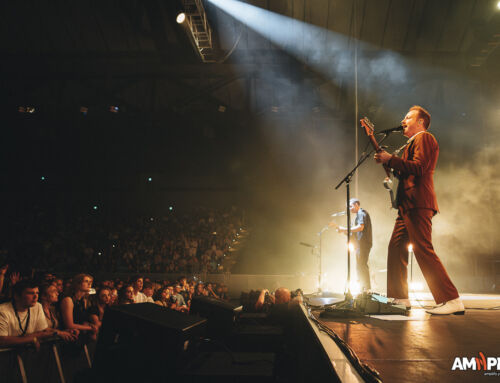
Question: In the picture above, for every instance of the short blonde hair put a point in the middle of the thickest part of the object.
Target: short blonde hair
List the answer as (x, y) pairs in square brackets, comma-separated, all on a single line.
[(423, 114)]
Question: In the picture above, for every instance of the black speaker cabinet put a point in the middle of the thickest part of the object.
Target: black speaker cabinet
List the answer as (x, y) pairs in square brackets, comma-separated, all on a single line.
[(143, 341), (221, 315)]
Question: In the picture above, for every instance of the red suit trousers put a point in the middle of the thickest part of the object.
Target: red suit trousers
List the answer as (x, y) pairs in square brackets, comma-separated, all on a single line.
[(415, 226)]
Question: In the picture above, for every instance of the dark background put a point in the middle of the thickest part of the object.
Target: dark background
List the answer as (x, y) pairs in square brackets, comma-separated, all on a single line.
[(269, 129)]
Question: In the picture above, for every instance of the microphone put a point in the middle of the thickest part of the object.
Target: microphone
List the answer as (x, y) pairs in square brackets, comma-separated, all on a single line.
[(306, 244), (389, 131), (338, 214)]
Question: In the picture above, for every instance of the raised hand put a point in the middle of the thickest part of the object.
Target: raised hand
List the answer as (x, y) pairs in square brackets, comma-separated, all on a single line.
[(4, 269), (14, 278)]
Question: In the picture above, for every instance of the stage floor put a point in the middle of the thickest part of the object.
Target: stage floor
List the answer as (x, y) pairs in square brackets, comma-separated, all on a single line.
[(423, 347)]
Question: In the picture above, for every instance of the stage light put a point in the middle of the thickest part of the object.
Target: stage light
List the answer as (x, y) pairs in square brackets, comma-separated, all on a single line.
[(410, 248), (42, 178), (114, 109), (150, 179), (170, 208), (95, 207), (416, 286), (355, 288), (180, 18)]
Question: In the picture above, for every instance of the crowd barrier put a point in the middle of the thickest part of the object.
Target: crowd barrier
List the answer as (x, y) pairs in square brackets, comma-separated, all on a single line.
[(55, 361)]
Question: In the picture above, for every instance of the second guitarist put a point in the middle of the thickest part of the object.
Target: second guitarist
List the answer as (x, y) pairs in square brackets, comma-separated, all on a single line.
[(362, 240)]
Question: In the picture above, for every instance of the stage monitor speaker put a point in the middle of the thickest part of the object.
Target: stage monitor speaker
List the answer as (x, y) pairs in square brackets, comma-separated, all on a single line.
[(221, 315), (225, 367), (143, 341)]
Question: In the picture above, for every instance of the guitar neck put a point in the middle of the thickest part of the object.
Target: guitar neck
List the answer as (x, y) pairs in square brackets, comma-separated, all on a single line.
[(375, 144)]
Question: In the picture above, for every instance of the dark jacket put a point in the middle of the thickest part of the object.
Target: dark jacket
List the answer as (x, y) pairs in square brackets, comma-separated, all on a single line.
[(415, 171)]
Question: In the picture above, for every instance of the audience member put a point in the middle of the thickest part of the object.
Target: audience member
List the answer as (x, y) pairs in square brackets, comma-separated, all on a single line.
[(22, 319), (49, 296), (163, 297), (74, 305), (178, 299), (126, 295), (113, 299), (96, 312), (137, 284), (148, 291)]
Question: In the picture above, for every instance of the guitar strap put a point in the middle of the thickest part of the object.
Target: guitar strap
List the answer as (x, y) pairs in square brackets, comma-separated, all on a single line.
[(397, 151)]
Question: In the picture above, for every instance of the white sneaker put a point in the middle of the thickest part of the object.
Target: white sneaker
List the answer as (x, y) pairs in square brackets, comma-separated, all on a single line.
[(404, 302), (455, 306)]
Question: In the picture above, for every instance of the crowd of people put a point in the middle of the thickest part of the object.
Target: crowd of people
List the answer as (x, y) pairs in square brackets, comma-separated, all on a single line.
[(195, 241), (73, 310)]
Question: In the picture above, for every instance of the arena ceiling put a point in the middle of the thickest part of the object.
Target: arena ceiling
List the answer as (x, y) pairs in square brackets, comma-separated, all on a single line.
[(63, 54)]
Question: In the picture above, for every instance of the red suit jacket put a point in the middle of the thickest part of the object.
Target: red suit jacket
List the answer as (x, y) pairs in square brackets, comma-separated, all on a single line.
[(415, 171)]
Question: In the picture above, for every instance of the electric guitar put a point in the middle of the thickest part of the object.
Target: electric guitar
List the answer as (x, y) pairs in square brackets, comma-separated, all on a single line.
[(390, 182)]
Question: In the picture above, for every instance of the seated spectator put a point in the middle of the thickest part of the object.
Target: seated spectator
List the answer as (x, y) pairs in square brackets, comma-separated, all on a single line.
[(211, 292), (190, 295), (58, 282), (171, 290), (49, 296), (265, 301), (283, 303), (163, 298), (74, 306), (113, 298), (137, 284), (184, 283), (22, 319), (200, 290), (178, 299), (148, 291), (282, 295), (96, 312), (126, 295)]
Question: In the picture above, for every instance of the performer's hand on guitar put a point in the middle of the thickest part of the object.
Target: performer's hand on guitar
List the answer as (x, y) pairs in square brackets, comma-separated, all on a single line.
[(337, 227), (382, 157)]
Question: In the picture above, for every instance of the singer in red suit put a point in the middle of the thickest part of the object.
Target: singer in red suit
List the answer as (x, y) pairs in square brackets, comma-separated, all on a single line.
[(417, 204)]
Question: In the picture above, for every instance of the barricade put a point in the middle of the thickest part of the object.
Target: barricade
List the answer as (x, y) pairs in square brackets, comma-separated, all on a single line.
[(51, 363)]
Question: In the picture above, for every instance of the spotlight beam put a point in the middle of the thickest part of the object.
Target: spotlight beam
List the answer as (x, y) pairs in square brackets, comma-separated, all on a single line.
[(327, 52)]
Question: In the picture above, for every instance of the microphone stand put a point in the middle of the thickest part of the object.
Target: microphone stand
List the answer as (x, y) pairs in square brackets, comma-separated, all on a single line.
[(348, 301)]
